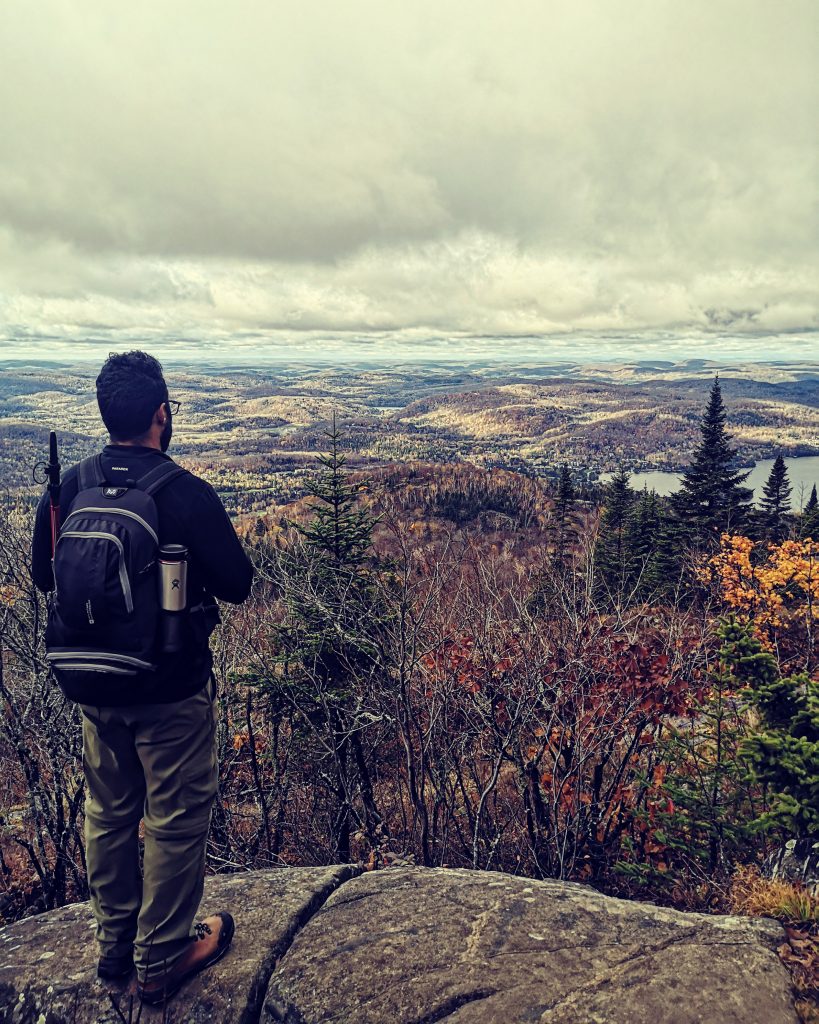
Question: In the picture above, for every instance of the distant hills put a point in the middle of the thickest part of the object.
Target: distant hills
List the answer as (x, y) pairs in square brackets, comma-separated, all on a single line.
[(253, 430)]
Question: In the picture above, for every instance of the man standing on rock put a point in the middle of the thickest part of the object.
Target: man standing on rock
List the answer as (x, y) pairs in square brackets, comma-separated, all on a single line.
[(143, 549)]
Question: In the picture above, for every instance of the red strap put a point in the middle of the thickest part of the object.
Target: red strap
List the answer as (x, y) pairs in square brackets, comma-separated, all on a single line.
[(55, 527)]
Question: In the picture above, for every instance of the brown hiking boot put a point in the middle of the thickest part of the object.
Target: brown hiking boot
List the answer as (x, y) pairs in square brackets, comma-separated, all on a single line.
[(213, 938)]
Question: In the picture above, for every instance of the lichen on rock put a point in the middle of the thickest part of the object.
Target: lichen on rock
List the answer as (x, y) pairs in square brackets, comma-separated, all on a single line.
[(410, 945)]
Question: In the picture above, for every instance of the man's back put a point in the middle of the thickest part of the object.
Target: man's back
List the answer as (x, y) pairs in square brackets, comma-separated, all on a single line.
[(190, 513)]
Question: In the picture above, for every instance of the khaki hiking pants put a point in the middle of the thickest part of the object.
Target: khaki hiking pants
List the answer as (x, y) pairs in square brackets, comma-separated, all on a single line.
[(155, 762)]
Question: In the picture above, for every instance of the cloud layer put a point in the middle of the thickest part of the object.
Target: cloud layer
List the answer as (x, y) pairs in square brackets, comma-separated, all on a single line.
[(468, 168)]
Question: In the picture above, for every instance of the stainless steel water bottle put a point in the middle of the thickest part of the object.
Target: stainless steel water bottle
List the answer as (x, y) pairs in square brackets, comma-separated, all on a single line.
[(173, 595)]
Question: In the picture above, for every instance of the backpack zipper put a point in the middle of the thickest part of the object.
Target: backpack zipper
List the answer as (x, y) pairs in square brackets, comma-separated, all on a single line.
[(126, 659), (125, 583), (117, 512)]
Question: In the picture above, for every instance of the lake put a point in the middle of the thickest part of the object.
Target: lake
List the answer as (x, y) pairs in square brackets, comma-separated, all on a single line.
[(803, 471)]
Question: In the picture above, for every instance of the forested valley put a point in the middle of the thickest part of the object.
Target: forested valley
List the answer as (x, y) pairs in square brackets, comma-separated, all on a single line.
[(448, 665)]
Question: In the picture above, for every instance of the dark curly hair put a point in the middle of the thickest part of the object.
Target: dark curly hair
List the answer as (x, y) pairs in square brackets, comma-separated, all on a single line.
[(130, 388)]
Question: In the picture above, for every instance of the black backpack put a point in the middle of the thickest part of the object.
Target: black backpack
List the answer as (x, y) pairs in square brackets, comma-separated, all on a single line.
[(104, 614)]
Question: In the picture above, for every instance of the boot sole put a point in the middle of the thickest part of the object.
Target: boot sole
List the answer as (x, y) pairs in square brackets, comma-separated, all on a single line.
[(157, 998)]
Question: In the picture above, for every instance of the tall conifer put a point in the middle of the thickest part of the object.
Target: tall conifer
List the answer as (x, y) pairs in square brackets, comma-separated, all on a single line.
[(774, 509), (339, 529), (642, 542), (809, 523), (611, 553), (565, 526), (712, 498), (669, 555), (329, 637)]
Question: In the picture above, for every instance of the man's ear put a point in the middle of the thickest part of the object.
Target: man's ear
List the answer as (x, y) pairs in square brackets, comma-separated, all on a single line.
[(161, 416)]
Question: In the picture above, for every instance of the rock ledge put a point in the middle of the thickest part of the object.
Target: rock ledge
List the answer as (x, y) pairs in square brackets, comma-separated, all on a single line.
[(411, 945)]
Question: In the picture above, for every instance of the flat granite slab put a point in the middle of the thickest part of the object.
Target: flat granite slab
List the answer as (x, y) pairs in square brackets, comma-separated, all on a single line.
[(48, 963), (420, 945)]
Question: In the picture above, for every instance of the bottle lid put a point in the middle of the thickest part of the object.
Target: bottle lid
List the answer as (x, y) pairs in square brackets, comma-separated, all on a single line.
[(173, 552)]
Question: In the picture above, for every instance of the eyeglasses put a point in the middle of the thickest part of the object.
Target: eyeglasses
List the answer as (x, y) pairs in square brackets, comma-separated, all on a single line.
[(172, 405)]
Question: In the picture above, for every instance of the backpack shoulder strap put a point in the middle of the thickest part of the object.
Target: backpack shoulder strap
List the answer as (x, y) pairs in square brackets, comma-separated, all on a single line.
[(89, 473), (157, 477)]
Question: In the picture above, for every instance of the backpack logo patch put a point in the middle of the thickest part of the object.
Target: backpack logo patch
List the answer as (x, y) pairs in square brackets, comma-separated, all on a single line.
[(114, 492)]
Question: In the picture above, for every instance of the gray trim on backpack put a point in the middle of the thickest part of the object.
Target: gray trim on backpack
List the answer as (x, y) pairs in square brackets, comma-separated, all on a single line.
[(62, 653), (81, 666), (110, 510)]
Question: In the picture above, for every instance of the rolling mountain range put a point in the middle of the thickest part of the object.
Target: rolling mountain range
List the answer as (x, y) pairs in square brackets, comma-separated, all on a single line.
[(253, 430)]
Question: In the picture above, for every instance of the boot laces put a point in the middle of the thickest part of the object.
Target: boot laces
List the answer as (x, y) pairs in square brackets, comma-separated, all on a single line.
[(202, 930)]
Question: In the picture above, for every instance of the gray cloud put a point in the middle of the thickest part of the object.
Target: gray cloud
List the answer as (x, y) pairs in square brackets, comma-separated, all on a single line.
[(202, 168)]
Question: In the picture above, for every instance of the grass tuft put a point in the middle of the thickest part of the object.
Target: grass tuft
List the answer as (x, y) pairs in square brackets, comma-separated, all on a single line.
[(798, 910), (752, 895)]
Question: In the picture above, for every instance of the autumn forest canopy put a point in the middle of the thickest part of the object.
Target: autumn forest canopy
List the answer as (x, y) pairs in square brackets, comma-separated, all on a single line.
[(466, 667)]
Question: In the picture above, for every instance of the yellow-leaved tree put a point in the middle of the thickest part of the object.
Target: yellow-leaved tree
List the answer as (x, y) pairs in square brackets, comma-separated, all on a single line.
[(776, 588)]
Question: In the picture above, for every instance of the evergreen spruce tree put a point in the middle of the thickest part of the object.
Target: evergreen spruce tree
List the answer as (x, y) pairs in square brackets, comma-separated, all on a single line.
[(339, 530), (669, 552), (708, 823), (716, 784), (642, 544), (712, 498), (809, 523), (784, 750), (774, 509), (329, 640), (565, 526), (611, 559)]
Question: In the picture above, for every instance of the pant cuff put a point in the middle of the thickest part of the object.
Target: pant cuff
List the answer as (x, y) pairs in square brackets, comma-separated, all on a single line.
[(158, 963)]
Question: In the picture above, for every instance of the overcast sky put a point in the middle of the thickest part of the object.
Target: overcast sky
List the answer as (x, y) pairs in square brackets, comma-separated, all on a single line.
[(404, 175)]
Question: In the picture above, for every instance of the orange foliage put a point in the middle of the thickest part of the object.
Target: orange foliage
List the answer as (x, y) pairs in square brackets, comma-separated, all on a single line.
[(774, 586)]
